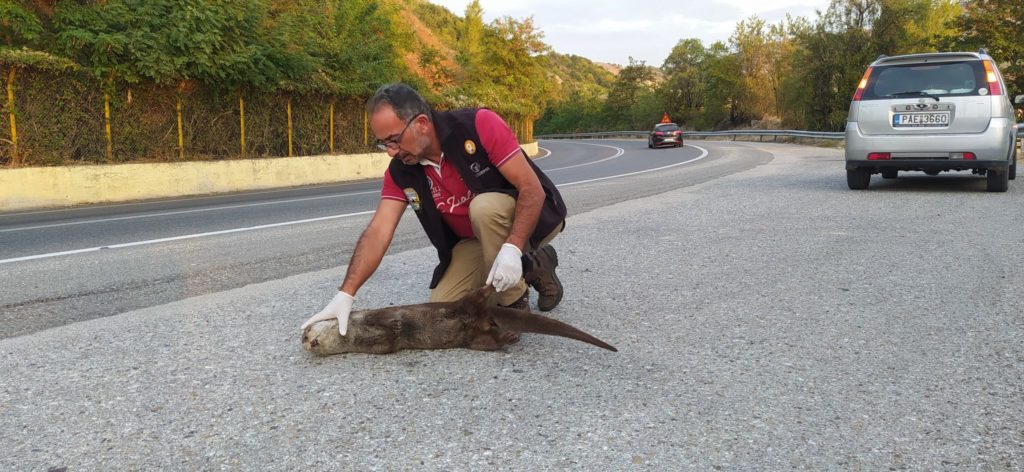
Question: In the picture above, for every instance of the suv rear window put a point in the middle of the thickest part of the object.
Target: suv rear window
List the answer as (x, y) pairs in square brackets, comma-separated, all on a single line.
[(666, 127), (963, 78)]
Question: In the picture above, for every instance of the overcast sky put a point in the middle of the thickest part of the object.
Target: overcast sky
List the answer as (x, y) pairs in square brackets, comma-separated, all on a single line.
[(612, 31)]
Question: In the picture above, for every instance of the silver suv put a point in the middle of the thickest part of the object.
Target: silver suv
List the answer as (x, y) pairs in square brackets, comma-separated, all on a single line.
[(932, 113)]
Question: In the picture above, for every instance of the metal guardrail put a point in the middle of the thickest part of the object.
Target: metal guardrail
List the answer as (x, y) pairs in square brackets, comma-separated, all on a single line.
[(774, 133), (700, 134)]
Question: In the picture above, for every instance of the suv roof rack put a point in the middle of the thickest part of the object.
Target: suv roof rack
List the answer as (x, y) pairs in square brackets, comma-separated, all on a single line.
[(880, 56)]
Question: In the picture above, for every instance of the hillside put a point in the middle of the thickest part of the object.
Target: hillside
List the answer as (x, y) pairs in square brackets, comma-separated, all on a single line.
[(435, 57), (572, 71)]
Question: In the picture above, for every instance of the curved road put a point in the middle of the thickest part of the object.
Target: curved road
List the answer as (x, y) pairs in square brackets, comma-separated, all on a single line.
[(771, 319), (70, 265)]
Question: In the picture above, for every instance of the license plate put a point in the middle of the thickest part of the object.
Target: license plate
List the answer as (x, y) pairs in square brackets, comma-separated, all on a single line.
[(920, 120), (669, 140)]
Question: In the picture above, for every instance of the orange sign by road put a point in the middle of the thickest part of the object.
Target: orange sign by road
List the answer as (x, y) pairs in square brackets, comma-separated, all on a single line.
[(666, 119)]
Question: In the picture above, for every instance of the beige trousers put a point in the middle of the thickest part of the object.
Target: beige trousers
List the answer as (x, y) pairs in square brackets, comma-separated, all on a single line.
[(491, 216)]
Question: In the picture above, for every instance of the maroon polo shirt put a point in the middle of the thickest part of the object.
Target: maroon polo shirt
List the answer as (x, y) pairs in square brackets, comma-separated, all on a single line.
[(450, 194)]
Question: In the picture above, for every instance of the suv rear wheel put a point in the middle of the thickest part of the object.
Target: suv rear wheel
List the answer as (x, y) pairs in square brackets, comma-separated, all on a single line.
[(997, 180), (858, 179)]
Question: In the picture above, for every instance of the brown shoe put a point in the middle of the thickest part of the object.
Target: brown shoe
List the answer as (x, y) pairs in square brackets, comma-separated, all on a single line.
[(540, 274), (523, 303)]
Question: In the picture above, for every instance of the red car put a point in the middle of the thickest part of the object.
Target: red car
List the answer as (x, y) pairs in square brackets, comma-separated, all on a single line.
[(665, 134)]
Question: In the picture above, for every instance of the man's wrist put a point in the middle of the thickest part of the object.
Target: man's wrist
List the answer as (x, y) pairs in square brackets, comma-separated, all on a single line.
[(514, 246), (347, 290), (517, 244)]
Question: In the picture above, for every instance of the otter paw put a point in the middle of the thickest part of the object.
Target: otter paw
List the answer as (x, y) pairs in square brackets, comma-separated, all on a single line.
[(509, 337)]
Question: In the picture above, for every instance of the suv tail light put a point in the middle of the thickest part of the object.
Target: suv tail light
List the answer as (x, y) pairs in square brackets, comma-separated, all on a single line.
[(862, 85), (963, 155), (992, 78), (879, 156)]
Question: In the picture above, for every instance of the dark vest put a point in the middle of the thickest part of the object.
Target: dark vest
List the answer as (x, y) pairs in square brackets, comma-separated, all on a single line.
[(457, 132)]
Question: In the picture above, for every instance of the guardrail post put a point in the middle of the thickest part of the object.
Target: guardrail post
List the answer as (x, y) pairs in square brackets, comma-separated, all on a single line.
[(106, 127), (330, 127), (288, 109), (10, 110), (241, 123), (181, 134)]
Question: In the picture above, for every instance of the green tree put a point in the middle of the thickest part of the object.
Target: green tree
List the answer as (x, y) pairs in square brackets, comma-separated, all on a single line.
[(830, 58), (581, 88), (21, 30), (911, 26), (634, 82), (754, 96), (516, 80), (18, 25), (471, 40), (722, 79), (791, 80), (24, 41), (995, 25), (226, 43), (582, 110), (931, 28), (683, 89), (354, 46)]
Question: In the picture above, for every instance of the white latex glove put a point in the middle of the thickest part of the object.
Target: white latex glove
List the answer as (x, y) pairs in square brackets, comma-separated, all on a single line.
[(507, 268), (340, 307)]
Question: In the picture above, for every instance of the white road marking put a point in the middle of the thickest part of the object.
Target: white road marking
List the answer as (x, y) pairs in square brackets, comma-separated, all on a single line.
[(619, 152), (244, 205), (178, 238), (704, 153), (179, 212), (188, 199)]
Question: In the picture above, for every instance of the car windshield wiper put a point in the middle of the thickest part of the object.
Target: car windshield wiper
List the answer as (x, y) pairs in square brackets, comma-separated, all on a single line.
[(915, 93)]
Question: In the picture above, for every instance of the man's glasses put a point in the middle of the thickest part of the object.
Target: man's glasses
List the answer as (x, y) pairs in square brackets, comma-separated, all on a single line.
[(394, 143)]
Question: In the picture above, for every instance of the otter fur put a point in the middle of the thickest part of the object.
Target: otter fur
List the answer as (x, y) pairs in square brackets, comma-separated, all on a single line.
[(471, 323)]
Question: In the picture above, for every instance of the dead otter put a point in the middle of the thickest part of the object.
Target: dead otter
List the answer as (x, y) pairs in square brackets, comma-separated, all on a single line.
[(468, 323)]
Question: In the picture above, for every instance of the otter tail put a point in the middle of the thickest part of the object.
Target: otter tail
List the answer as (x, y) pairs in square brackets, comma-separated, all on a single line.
[(527, 322)]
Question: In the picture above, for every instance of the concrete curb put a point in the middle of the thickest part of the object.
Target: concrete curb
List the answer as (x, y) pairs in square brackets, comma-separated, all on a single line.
[(50, 187)]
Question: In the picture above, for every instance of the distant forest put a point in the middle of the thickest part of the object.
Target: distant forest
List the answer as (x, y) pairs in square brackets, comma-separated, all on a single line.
[(93, 57), (799, 73)]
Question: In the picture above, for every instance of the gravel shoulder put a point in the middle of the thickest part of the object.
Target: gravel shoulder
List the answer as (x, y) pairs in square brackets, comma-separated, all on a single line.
[(771, 319)]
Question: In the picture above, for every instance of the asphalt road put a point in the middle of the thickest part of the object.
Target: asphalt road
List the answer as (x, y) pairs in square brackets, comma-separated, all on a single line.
[(766, 318), (72, 265)]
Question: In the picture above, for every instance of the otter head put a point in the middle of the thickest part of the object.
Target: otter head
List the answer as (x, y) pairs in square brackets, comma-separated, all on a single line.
[(322, 338), (475, 302), (475, 306)]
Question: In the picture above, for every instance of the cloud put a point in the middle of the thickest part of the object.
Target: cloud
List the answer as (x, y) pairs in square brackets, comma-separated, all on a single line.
[(603, 27), (613, 31)]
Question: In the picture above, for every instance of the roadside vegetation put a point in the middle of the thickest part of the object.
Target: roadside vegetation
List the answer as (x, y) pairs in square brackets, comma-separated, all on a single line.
[(101, 81), (164, 80), (799, 73)]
